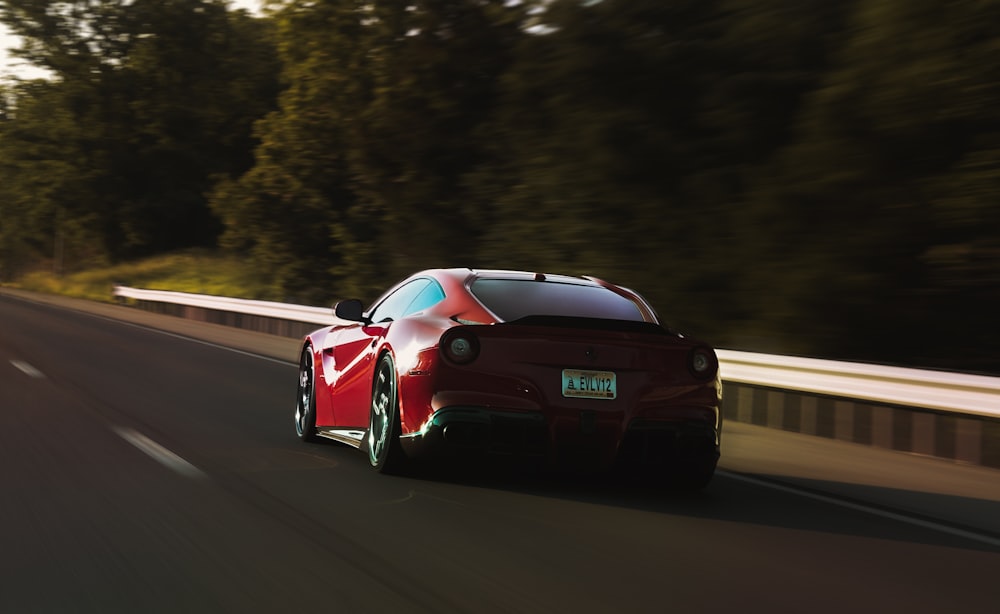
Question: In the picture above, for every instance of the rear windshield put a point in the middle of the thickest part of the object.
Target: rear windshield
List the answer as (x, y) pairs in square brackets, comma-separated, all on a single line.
[(513, 299)]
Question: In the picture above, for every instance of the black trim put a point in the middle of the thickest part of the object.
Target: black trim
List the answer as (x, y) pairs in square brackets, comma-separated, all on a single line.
[(479, 430), (624, 326), (664, 443)]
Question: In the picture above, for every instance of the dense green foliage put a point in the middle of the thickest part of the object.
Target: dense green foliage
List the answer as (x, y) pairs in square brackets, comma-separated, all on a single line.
[(149, 101), (806, 177)]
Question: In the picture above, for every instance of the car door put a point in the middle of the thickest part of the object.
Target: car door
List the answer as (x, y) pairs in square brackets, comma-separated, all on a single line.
[(349, 363)]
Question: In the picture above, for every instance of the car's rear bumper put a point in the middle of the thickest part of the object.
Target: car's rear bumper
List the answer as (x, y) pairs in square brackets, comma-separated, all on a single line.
[(476, 430), (643, 445)]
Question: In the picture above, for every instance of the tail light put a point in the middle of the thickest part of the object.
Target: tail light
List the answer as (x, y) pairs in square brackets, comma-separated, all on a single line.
[(460, 346), (702, 363)]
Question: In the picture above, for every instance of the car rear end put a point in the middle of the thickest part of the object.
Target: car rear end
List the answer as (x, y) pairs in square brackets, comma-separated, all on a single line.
[(576, 371), (579, 392)]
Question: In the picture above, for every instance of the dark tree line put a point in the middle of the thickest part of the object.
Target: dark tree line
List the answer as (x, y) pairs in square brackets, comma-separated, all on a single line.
[(148, 103), (809, 177)]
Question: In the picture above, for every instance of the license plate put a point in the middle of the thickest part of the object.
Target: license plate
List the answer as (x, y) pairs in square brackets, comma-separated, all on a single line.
[(579, 384)]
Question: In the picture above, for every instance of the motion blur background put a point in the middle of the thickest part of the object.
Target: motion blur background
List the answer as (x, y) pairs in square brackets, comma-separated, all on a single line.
[(808, 177)]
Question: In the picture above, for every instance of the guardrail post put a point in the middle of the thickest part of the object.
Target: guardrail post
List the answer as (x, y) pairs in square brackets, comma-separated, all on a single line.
[(969, 441), (744, 404), (882, 425), (810, 413), (923, 433), (775, 409), (843, 420)]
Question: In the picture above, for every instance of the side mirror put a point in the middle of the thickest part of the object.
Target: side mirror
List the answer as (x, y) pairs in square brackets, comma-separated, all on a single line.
[(351, 310)]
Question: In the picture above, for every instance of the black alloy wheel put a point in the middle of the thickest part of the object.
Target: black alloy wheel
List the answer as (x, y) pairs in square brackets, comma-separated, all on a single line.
[(384, 452), (305, 405)]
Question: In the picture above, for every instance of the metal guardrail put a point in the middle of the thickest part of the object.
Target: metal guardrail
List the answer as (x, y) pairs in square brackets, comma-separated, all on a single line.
[(268, 309), (934, 390), (938, 390)]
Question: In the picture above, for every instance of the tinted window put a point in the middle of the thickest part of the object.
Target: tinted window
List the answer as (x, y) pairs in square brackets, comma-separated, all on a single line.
[(430, 296), (512, 299), (394, 306)]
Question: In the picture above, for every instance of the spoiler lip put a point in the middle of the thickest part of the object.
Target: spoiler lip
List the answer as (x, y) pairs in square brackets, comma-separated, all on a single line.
[(624, 326)]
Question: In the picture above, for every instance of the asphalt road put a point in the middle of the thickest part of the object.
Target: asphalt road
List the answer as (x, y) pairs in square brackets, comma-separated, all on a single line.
[(143, 471)]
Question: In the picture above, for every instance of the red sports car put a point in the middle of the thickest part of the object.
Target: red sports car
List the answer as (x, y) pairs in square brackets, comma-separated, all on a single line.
[(467, 362)]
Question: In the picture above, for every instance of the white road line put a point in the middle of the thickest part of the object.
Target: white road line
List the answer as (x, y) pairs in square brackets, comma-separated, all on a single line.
[(874, 511), (27, 369), (158, 453)]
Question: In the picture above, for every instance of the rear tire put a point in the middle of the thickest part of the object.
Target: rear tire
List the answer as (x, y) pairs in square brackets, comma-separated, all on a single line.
[(384, 452), (305, 405)]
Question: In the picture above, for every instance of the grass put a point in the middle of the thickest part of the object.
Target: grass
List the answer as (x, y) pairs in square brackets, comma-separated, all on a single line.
[(196, 271)]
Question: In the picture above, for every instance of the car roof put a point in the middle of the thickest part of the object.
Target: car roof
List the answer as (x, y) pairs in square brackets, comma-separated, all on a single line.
[(461, 279), (467, 276)]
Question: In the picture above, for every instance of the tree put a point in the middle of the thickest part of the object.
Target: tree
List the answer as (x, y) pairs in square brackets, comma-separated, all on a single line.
[(359, 176), (629, 132), (435, 69), (295, 211), (43, 173), (880, 233), (154, 98)]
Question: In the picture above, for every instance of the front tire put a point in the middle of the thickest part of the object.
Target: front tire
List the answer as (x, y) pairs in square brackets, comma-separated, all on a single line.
[(384, 451), (305, 405)]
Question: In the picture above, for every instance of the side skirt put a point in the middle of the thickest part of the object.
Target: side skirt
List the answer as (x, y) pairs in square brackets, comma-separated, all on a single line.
[(352, 437)]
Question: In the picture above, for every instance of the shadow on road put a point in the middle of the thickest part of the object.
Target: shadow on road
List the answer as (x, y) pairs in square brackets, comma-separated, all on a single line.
[(816, 505)]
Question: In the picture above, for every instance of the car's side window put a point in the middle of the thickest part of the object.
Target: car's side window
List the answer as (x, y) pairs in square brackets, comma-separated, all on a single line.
[(394, 305), (428, 297)]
